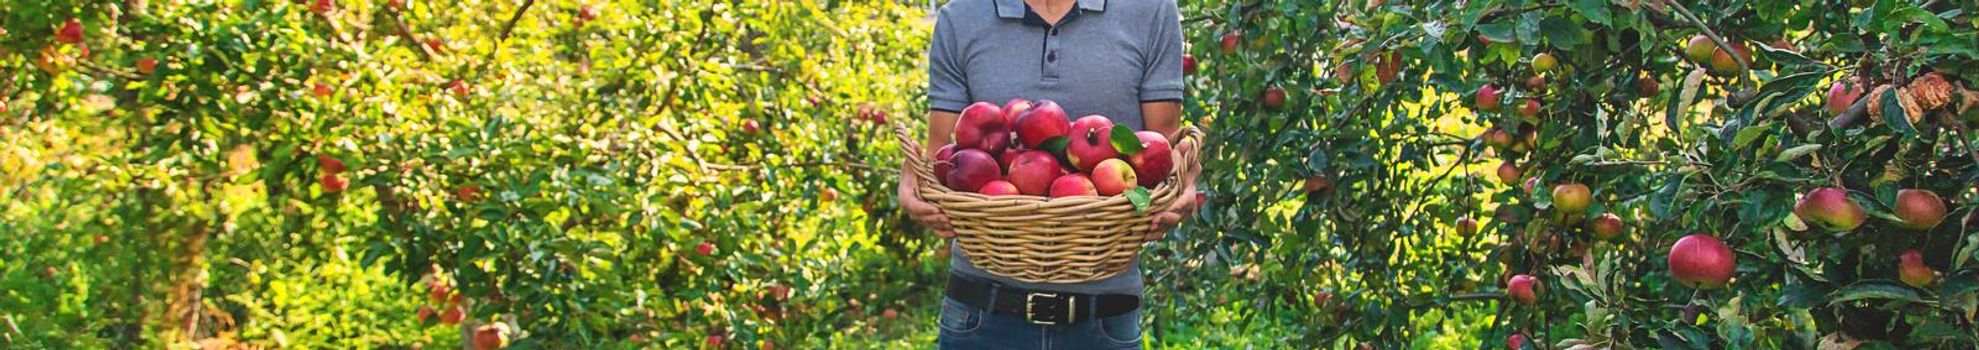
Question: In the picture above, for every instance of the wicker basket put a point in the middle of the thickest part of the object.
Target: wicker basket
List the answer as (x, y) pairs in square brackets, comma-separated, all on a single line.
[(1047, 240)]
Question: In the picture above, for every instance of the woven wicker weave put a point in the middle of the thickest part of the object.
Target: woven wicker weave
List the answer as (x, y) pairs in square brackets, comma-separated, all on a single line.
[(1047, 240)]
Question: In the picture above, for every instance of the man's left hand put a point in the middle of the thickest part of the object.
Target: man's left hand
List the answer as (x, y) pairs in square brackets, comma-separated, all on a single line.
[(1183, 208)]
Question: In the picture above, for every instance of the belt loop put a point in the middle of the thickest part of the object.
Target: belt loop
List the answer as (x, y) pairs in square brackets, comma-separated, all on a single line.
[(1093, 307), (990, 307)]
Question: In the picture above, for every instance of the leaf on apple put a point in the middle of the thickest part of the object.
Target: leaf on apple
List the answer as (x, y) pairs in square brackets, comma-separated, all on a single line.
[(1893, 114), (1124, 141), (1141, 199)]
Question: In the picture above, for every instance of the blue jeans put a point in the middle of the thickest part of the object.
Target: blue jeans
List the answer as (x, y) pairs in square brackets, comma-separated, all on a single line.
[(967, 327)]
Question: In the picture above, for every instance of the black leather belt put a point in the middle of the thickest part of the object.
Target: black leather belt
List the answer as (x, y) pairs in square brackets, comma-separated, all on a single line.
[(1038, 307)]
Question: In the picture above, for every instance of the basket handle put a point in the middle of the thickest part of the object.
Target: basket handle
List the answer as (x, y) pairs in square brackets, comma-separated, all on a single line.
[(917, 161)]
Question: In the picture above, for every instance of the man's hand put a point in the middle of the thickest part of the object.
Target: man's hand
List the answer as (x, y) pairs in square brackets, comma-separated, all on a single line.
[(1183, 208), (920, 210)]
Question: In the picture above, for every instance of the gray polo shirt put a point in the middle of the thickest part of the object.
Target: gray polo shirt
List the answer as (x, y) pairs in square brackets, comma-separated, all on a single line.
[(1103, 58)]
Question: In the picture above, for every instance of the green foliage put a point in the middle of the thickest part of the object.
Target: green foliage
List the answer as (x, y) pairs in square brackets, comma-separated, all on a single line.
[(1380, 105), (558, 170)]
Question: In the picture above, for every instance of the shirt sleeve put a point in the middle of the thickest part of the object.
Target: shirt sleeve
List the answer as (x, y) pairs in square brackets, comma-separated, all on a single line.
[(1162, 80), (947, 80)]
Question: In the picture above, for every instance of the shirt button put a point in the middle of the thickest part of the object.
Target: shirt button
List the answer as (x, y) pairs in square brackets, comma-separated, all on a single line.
[(1054, 32), (1051, 57)]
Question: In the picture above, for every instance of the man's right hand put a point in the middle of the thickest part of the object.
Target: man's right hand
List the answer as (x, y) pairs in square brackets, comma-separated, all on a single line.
[(927, 214)]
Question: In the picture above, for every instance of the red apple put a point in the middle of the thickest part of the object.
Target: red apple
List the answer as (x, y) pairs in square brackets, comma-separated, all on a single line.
[(1919, 209), (981, 127), (1530, 184), (427, 316), (1912, 271), (438, 292), (1722, 62), (459, 88), (1230, 42), (942, 165), (322, 6), (70, 33), (1831, 208), (1032, 172), (1072, 185), (715, 341), (1515, 342), (1014, 109), (1155, 161), (1497, 138), (395, 5), (1841, 96), (453, 315), (1607, 227), (1647, 87), (1113, 177), (890, 313), (999, 188), (1702, 261), (333, 183), (1699, 49), (1466, 226), (1544, 62), (749, 126), (1188, 64), (973, 169), (1090, 142), (147, 65), (1488, 99), (1042, 122), (1536, 83), (491, 336), (1572, 198), (321, 90), (329, 164), (1523, 289), (1274, 98), (1508, 173), (828, 194), (468, 193), (1389, 69), (1318, 183), (704, 248), (587, 12), (1530, 112)]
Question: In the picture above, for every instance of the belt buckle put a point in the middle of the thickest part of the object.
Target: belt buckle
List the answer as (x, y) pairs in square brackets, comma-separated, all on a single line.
[(1066, 303)]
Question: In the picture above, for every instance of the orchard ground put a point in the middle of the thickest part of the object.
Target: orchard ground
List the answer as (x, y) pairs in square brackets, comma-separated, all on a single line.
[(698, 173)]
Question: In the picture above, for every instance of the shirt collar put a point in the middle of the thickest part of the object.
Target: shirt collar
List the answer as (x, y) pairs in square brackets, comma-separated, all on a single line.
[(1015, 9)]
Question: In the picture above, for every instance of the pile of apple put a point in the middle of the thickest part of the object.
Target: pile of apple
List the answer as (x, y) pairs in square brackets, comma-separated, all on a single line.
[(1032, 149)]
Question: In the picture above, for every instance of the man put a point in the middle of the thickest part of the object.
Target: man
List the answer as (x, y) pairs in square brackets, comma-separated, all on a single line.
[(1121, 59)]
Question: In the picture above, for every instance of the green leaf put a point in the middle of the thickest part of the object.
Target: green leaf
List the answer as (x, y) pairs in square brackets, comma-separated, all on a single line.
[(1056, 145), (1877, 290), (1141, 199), (1893, 114), (1750, 133), (1498, 32), (1595, 10), (1563, 33), (1673, 115), (1318, 161), (1124, 141), (1796, 152)]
